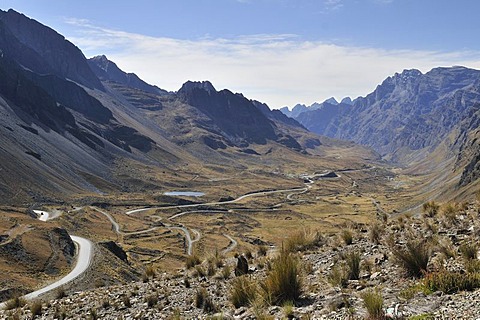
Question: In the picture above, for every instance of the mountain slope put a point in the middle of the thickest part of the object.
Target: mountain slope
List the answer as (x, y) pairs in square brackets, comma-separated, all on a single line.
[(410, 118), (72, 127), (108, 70)]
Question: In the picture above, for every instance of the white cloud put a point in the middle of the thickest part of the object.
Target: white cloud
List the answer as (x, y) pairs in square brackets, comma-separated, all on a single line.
[(276, 69)]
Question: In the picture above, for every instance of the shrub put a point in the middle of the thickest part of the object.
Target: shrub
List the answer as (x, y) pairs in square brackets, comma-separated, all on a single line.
[(243, 291), (262, 251), (126, 301), (106, 304), (373, 302), (375, 233), (200, 297), (414, 258), (450, 211), (283, 282), (15, 302), (186, 282), (303, 240), (472, 266), (150, 271), (60, 293), (338, 277), (430, 209), (469, 251), (347, 236), (288, 309), (36, 308), (210, 268), (209, 306), (226, 271), (93, 314), (451, 282), (353, 265), (192, 261), (200, 271), (151, 300)]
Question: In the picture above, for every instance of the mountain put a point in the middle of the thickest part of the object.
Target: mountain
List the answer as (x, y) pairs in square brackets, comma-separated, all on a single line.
[(71, 127), (408, 116), (42, 50), (107, 70)]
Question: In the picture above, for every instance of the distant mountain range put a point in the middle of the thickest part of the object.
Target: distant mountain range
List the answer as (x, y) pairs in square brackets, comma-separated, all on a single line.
[(408, 117)]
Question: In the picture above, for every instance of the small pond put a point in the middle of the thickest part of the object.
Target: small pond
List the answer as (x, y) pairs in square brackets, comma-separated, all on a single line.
[(184, 193)]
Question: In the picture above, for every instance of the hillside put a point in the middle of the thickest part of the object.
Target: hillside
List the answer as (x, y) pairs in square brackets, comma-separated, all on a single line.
[(73, 127), (412, 118)]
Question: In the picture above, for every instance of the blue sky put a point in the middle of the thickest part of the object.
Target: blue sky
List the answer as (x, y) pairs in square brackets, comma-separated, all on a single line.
[(278, 51)]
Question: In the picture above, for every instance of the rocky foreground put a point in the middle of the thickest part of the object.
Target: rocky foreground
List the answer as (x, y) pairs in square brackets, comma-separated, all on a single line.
[(337, 272)]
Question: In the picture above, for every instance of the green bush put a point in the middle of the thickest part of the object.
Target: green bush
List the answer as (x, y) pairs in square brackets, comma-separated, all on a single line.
[(373, 302), (413, 258), (283, 282), (243, 291)]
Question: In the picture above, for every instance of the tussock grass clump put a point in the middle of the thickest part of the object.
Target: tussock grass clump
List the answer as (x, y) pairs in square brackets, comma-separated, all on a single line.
[(35, 308), (450, 211), (353, 265), (338, 277), (151, 300), (60, 293), (200, 271), (469, 251), (413, 258), (126, 301), (150, 271), (262, 251), (451, 282), (375, 233), (303, 240), (243, 291), (283, 282), (192, 261), (472, 266), (200, 297), (204, 301), (373, 302), (430, 209), (347, 236), (226, 271), (15, 302)]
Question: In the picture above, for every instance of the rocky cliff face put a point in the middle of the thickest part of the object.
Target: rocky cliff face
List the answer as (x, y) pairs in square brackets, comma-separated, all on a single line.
[(48, 51), (408, 112), (239, 119), (107, 70)]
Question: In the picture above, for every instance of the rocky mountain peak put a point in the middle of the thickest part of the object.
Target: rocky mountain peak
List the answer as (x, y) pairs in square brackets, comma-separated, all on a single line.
[(346, 100), (190, 86), (47, 52), (107, 70), (331, 100)]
